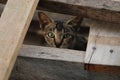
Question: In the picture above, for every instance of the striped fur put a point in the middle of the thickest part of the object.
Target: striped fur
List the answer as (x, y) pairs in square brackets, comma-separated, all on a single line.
[(61, 34)]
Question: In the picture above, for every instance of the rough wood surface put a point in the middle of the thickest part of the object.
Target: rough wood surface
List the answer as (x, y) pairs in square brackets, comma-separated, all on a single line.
[(52, 53), (104, 4), (102, 68), (101, 4), (106, 10), (43, 69), (103, 44), (14, 23), (31, 51)]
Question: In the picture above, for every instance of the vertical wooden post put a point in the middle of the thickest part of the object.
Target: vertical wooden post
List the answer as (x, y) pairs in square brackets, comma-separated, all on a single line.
[(14, 23)]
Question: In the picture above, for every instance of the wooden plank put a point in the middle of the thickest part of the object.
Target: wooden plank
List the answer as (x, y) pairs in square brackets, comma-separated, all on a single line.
[(106, 10), (52, 53), (100, 4), (14, 23), (103, 44), (102, 68), (104, 4), (84, 9), (63, 55)]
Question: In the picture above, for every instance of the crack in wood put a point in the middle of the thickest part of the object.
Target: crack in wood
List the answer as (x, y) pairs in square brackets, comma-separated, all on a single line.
[(94, 48)]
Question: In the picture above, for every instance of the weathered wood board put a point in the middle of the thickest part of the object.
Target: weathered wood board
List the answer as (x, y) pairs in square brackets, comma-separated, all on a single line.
[(102, 68), (103, 44), (104, 4), (52, 53), (32, 51), (14, 23), (101, 4), (105, 10)]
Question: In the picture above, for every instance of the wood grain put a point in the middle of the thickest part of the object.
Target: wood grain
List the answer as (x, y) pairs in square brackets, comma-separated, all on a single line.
[(100, 4), (102, 68), (103, 44), (32, 51), (52, 53), (105, 10), (104, 4), (14, 23)]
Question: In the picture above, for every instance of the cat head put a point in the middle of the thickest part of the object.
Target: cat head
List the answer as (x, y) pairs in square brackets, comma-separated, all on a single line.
[(59, 34)]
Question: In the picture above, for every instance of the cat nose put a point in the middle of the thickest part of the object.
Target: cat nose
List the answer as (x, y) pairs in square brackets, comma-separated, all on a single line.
[(58, 45)]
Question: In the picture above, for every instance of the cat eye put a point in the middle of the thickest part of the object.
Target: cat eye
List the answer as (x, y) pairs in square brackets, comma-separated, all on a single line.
[(67, 36), (51, 35)]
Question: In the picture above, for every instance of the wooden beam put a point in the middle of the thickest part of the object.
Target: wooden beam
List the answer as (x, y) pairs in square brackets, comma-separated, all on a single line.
[(103, 44), (52, 53), (112, 5), (14, 23), (102, 68), (33, 51), (106, 10), (105, 4)]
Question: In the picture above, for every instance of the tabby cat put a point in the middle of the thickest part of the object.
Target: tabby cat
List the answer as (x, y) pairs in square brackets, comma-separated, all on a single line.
[(61, 34)]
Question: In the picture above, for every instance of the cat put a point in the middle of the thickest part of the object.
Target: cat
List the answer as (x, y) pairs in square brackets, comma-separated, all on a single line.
[(56, 33), (61, 34)]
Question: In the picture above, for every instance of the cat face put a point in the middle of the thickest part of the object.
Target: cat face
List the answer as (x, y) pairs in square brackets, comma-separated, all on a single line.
[(58, 34)]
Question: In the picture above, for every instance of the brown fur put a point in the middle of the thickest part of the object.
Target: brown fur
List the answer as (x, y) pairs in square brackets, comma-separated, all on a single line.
[(61, 34)]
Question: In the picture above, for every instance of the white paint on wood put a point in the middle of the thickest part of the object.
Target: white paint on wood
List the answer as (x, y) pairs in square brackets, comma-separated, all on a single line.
[(101, 4), (104, 44), (14, 23), (52, 53)]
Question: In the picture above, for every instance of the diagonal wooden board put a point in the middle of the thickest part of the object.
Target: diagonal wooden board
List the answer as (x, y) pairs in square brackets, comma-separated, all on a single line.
[(14, 23), (104, 44)]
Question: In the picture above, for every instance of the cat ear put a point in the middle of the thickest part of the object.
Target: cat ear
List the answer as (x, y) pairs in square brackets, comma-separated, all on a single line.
[(43, 19), (75, 21)]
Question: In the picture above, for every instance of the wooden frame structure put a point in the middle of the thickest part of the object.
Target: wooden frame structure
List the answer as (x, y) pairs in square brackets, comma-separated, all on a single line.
[(13, 27), (14, 23)]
